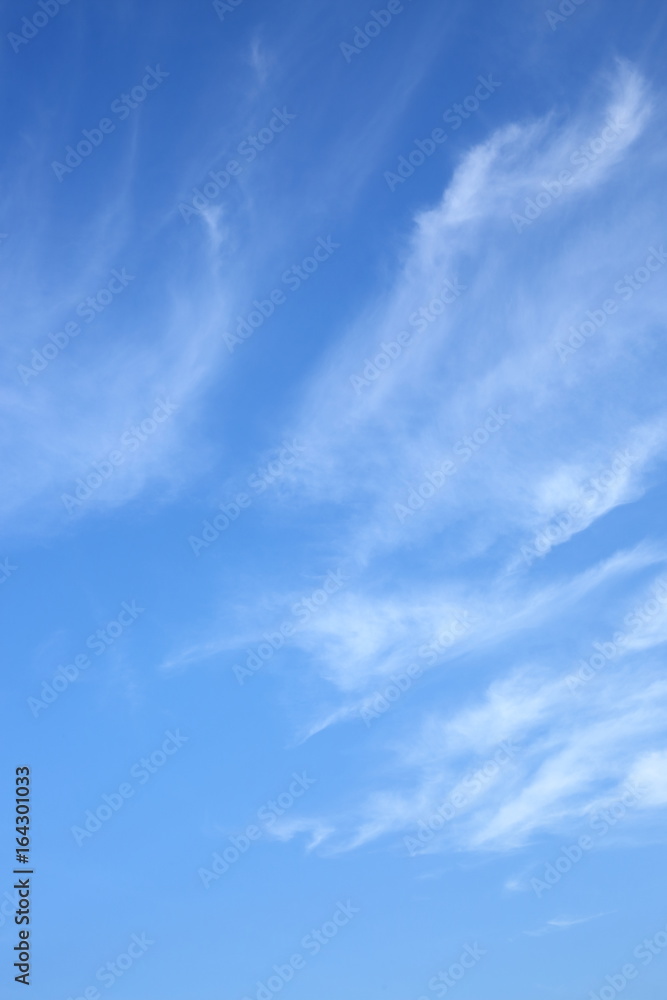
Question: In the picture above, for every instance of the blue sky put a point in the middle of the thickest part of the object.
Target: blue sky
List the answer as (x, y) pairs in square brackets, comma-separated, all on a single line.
[(334, 588)]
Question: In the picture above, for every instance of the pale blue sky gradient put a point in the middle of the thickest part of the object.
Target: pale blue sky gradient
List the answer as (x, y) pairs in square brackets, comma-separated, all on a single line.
[(333, 494)]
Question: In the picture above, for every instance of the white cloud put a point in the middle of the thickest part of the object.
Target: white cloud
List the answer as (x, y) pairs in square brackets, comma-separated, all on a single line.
[(650, 772), (566, 764), (563, 924), (494, 347), (380, 442)]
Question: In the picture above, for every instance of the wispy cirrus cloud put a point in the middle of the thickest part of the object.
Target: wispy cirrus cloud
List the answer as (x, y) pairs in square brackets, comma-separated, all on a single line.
[(424, 405), (563, 924), (567, 763), (372, 447), (380, 441)]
